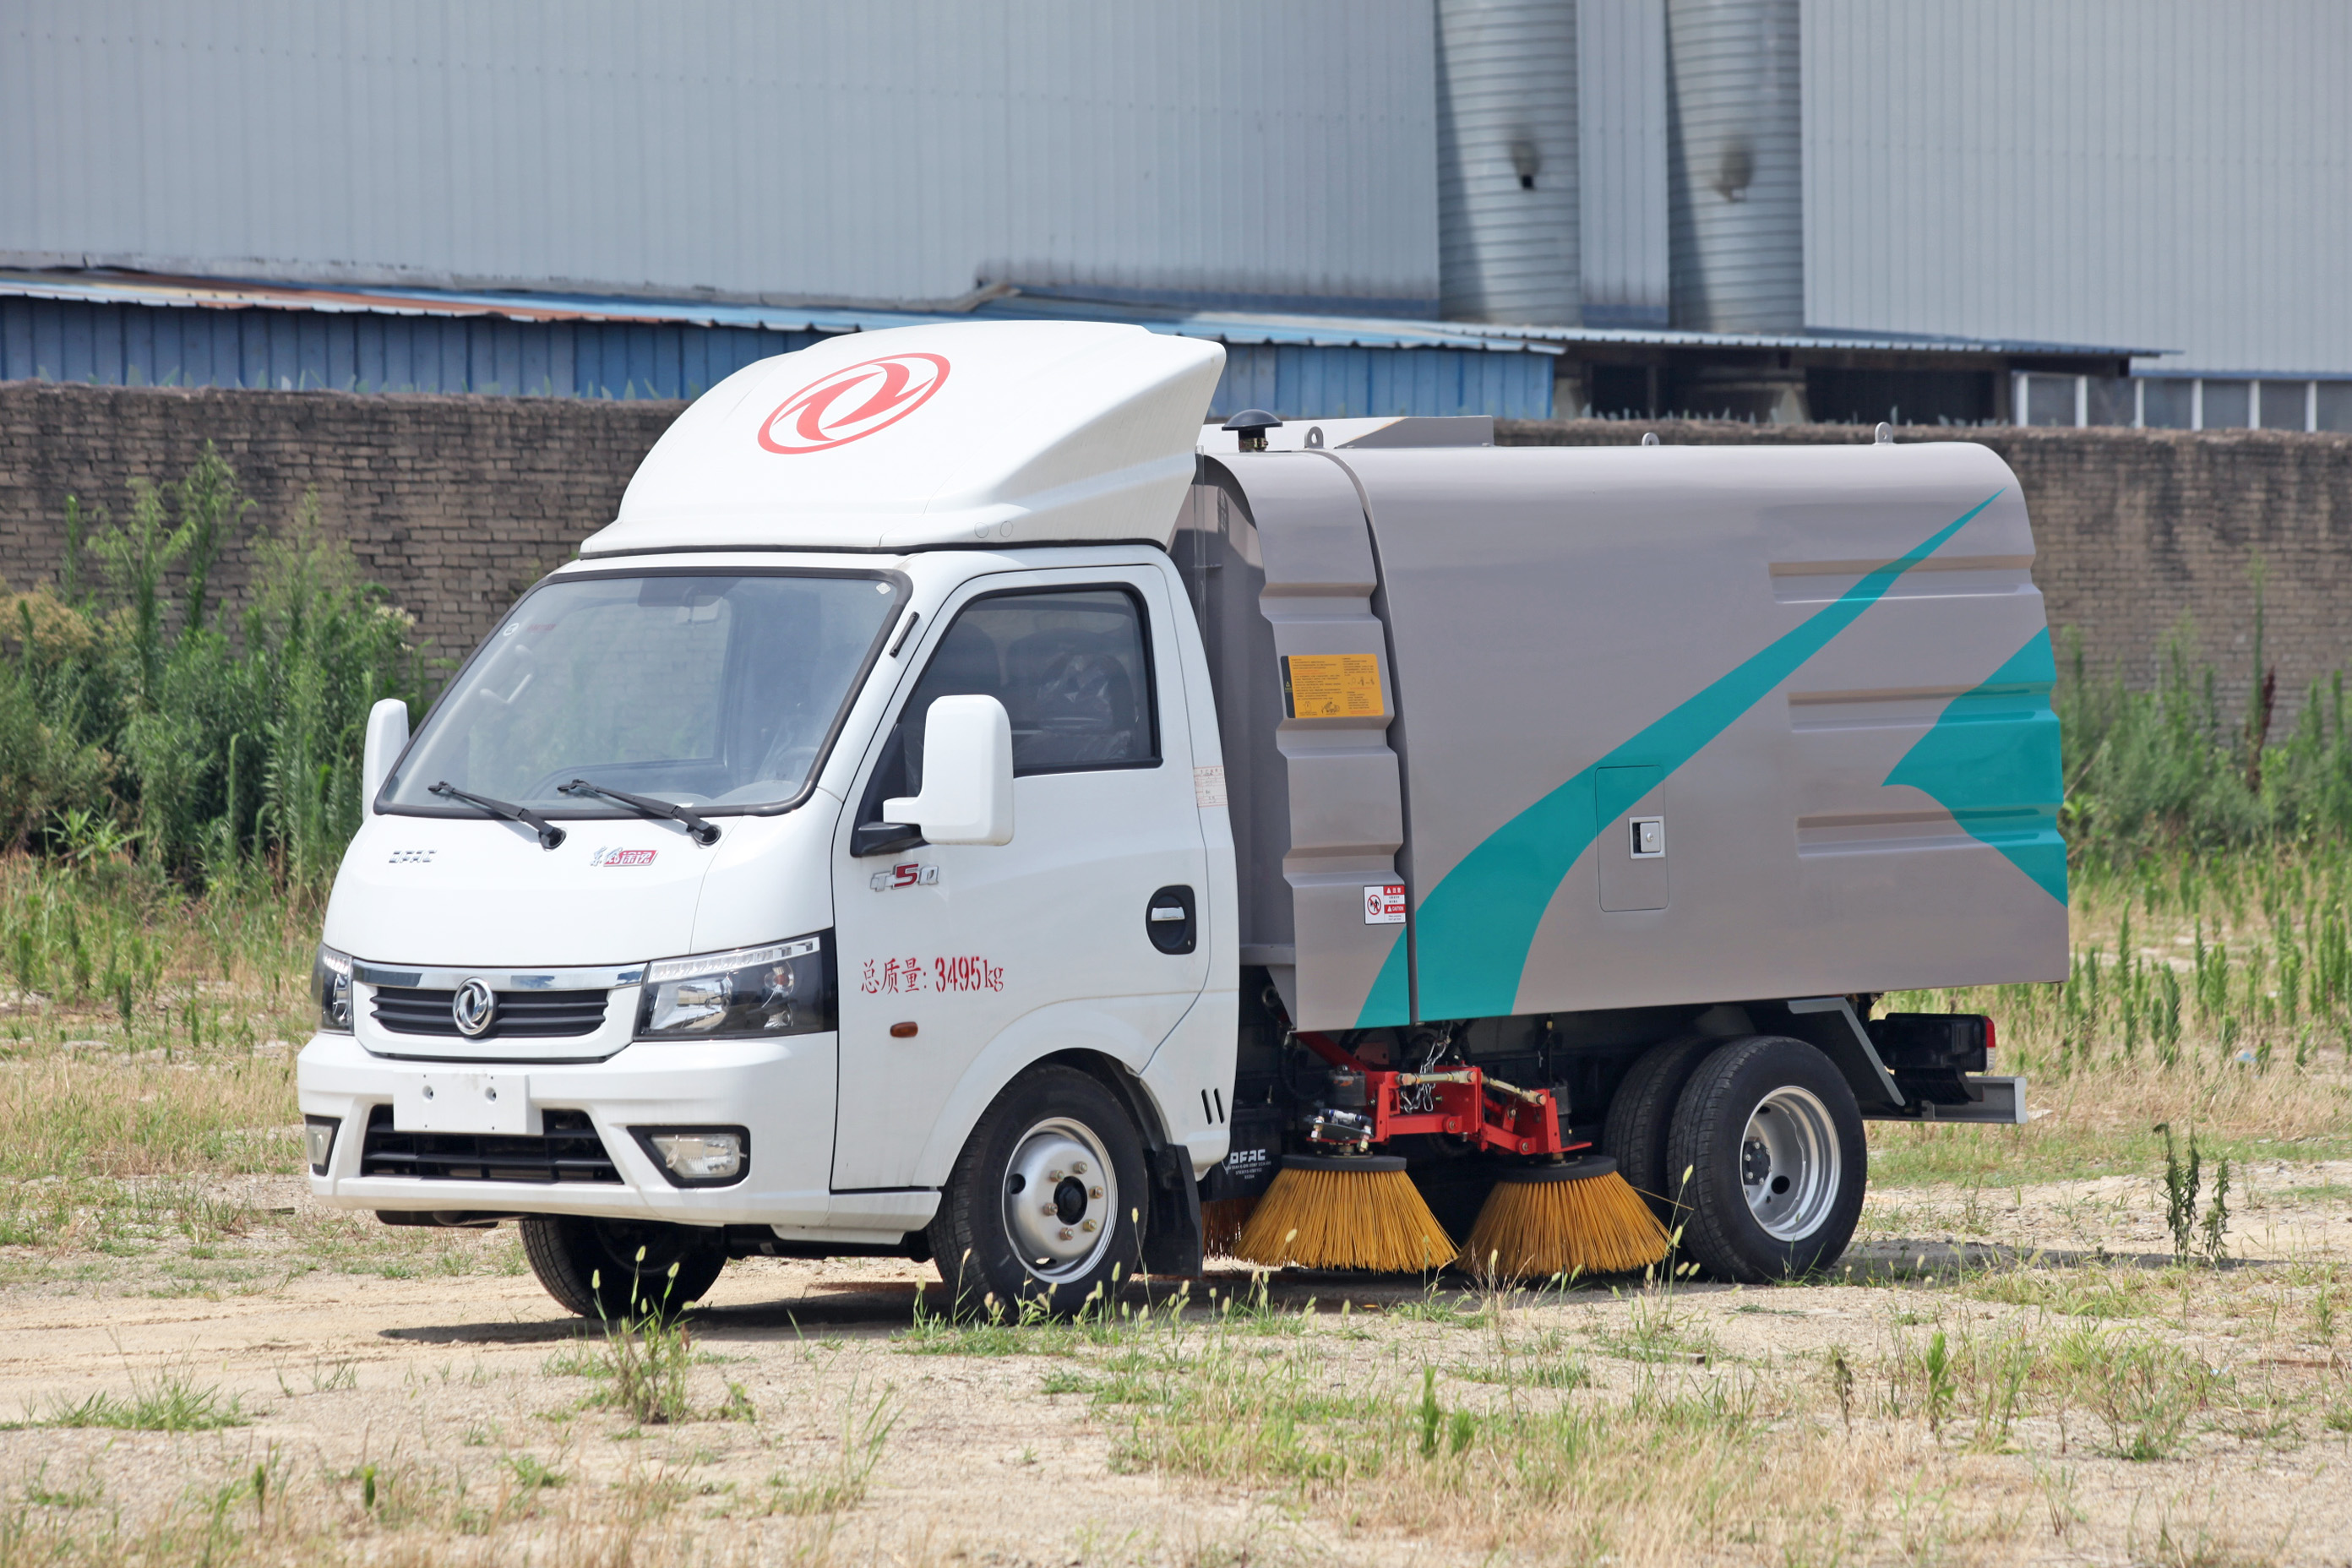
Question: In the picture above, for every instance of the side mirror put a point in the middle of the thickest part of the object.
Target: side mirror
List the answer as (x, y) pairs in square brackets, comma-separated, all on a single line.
[(967, 775), (387, 733)]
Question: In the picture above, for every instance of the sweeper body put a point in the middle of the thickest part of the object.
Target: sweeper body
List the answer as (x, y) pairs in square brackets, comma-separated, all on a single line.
[(960, 810)]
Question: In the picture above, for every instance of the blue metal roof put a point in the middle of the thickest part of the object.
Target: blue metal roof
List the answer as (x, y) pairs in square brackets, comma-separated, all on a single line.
[(1224, 326), (1227, 326), (129, 329)]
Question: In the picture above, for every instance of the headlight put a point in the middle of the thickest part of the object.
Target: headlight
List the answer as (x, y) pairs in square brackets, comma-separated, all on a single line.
[(783, 988), (330, 987)]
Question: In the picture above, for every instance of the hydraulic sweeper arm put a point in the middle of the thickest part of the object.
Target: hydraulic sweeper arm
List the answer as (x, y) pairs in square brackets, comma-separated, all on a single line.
[(1461, 1102)]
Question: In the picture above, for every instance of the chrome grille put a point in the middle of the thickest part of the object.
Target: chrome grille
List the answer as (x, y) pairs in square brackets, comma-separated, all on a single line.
[(521, 1015)]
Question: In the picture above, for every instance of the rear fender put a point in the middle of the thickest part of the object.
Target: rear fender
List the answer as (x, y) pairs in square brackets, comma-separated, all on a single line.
[(1830, 1024)]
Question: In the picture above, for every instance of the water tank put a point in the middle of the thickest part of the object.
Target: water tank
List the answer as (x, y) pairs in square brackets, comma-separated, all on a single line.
[(1734, 189), (1506, 161)]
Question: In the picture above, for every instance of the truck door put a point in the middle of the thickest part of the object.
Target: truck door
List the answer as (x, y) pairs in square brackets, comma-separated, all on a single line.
[(960, 961)]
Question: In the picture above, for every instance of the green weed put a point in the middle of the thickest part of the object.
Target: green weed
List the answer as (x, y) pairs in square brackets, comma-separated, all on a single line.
[(175, 1403), (865, 1425)]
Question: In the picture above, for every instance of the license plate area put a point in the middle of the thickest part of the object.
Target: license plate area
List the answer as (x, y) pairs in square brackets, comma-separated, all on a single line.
[(466, 1102)]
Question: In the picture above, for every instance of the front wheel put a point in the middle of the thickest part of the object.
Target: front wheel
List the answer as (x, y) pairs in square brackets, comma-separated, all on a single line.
[(621, 1270), (1771, 1139), (1045, 1202)]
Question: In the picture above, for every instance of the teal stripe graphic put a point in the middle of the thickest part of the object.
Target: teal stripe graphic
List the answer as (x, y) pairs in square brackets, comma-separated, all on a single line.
[(1476, 926), (1992, 761)]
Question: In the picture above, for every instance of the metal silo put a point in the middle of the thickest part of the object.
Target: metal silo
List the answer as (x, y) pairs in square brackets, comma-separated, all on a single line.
[(1507, 159), (1734, 184)]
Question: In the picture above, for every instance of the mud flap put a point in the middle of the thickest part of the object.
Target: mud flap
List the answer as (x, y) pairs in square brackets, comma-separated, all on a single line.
[(1171, 1221)]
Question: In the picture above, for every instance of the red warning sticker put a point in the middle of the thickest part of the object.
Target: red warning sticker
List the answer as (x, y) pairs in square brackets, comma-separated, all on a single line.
[(1384, 904)]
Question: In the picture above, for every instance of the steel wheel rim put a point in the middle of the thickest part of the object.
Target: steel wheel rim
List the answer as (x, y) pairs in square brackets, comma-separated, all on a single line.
[(1061, 1200), (1790, 1163)]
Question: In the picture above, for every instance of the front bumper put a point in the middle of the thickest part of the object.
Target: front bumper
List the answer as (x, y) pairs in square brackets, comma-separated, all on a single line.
[(782, 1091)]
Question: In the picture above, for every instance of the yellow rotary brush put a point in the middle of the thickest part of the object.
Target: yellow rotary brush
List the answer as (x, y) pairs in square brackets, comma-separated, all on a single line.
[(1222, 1223), (1579, 1216), (1348, 1210)]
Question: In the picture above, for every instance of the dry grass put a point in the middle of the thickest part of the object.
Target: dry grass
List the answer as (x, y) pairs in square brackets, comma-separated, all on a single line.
[(2053, 1408), (2214, 999)]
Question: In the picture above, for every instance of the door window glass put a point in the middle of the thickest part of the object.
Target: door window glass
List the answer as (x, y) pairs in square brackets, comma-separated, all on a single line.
[(1071, 668)]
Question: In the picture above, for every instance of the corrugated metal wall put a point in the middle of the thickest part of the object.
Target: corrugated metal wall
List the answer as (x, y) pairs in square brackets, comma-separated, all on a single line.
[(890, 150), (141, 345), (2170, 173), (1734, 184), (1620, 102), (296, 351), (1507, 159), (1339, 384)]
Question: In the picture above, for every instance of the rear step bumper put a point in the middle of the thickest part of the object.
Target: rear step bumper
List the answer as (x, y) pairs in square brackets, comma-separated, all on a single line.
[(2000, 1102)]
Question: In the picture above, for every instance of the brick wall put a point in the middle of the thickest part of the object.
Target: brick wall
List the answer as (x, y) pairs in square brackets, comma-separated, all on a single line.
[(455, 504), (2134, 529)]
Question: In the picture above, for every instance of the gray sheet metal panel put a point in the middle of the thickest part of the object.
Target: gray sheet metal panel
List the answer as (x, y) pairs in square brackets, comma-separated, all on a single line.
[(1216, 552), (1735, 192), (1338, 819), (1802, 642), (2168, 173), (1620, 104), (1507, 159), (885, 151)]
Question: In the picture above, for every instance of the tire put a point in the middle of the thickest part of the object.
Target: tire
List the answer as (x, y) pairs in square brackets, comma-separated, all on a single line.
[(994, 1244), (592, 1266), (1779, 1112), (1642, 1114)]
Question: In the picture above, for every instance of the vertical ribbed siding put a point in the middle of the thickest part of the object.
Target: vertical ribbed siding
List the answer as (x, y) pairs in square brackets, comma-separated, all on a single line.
[(1735, 184), (298, 350), (302, 350), (1302, 383), (1507, 159), (2170, 174), (1621, 103), (900, 151)]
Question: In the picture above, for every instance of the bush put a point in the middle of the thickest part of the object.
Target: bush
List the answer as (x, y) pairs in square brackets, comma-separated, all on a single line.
[(2161, 770), (209, 748)]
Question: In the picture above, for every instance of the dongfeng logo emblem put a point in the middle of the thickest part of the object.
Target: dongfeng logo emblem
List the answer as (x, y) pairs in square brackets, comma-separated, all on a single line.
[(474, 1008), (851, 403)]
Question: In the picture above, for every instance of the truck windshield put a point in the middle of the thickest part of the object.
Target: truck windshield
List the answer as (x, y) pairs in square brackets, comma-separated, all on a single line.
[(716, 692)]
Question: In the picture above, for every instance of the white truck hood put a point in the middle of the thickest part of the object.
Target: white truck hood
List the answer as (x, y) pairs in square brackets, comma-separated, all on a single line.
[(456, 892)]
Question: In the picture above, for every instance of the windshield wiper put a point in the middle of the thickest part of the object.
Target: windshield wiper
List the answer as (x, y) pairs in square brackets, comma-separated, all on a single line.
[(550, 836), (702, 832)]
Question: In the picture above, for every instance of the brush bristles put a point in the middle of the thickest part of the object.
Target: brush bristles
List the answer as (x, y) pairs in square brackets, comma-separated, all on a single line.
[(1531, 1230), (1344, 1219), (1222, 1221)]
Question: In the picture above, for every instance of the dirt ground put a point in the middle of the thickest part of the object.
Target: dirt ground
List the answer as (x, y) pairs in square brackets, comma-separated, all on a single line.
[(454, 1414)]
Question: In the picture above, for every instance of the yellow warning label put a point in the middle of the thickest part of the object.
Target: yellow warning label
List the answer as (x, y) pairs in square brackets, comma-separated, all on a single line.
[(1331, 686)]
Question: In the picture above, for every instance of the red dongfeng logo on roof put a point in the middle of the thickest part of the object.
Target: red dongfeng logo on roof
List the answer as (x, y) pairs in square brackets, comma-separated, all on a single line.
[(853, 403)]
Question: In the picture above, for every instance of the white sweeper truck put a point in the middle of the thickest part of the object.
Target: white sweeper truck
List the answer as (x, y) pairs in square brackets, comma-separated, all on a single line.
[(962, 808)]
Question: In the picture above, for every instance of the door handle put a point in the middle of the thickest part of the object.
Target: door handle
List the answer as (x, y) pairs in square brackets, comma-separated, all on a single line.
[(1170, 919)]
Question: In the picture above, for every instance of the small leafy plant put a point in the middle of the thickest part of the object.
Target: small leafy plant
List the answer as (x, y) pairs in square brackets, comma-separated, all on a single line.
[(2180, 1184), (647, 1353)]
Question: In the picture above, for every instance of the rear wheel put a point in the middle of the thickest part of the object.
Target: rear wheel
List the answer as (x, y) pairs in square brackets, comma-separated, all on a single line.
[(1643, 1113), (620, 1269), (1770, 1134), (1043, 1202)]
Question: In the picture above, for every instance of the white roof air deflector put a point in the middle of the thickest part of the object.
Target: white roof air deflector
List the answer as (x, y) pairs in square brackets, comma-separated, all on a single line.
[(980, 432)]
